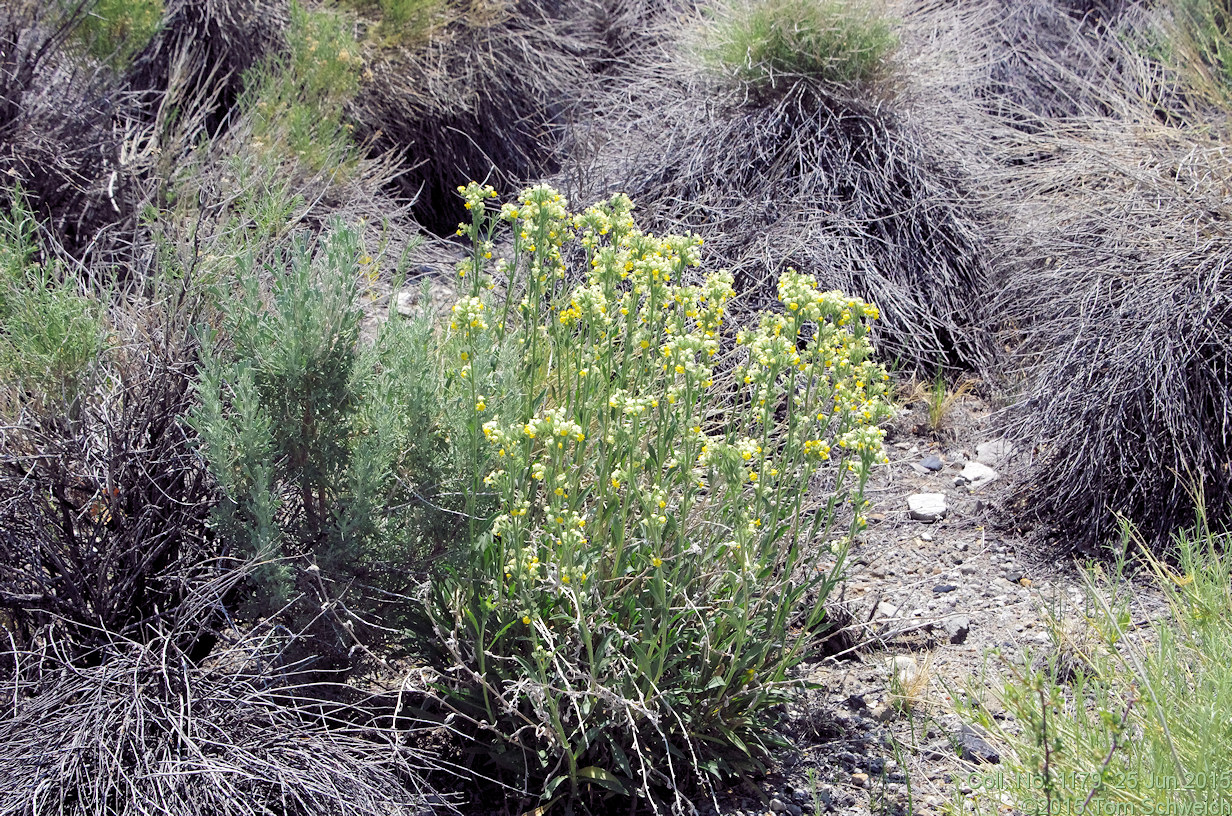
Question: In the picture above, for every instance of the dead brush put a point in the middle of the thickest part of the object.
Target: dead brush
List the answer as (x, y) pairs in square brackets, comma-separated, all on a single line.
[(62, 127), (209, 43), (104, 505), (484, 97), (147, 731)]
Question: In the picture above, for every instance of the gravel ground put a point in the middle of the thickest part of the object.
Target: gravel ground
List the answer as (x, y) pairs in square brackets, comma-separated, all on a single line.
[(932, 605)]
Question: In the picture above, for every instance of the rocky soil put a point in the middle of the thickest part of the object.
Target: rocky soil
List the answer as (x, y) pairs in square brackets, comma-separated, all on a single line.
[(935, 607)]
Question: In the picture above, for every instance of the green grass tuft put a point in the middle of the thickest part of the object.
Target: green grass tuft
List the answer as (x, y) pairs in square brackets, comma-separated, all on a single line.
[(50, 334), (838, 42), (403, 22), (113, 31), (1132, 714)]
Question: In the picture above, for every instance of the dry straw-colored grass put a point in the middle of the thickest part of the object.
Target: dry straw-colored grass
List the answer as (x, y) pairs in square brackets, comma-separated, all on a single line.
[(146, 731), (1114, 248)]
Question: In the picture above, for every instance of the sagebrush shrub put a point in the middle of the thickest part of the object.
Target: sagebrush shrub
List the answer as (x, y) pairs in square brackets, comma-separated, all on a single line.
[(329, 456), (671, 508), (297, 99)]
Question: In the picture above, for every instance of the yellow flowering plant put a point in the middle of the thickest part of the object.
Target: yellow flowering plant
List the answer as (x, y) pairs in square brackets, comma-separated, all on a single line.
[(629, 614)]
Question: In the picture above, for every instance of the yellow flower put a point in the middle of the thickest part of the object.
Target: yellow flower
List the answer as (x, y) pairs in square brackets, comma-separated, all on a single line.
[(657, 562)]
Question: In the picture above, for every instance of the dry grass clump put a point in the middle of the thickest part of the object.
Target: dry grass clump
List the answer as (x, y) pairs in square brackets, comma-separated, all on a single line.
[(1125, 303), (94, 150), (843, 189), (488, 94), (1112, 248), (209, 44), (1055, 59), (61, 126), (147, 731)]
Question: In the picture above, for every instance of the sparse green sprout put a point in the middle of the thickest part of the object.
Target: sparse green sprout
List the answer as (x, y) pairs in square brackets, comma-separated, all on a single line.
[(1140, 722), (941, 398)]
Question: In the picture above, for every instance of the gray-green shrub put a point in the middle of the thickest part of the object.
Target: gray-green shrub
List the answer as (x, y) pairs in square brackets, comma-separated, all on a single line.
[(51, 332), (329, 455)]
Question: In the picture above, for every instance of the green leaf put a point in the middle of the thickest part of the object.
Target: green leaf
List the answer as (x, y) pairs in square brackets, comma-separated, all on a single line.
[(599, 776)]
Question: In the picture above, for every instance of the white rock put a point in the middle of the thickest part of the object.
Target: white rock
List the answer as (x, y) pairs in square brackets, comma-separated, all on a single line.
[(405, 305), (886, 610), (905, 669), (976, 475), (993, 453), (927, 506)]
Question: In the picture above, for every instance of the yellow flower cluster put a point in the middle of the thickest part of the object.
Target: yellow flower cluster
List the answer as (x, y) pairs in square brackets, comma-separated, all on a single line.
[(524, 566), (866, 441), (474, 195), (622, 433), (468, 315), (816, 448), (554, 426)]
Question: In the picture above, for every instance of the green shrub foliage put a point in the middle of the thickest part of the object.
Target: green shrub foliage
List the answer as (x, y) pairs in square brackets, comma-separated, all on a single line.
[(838, 42), (326, 454)]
